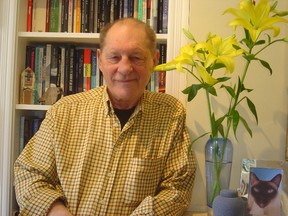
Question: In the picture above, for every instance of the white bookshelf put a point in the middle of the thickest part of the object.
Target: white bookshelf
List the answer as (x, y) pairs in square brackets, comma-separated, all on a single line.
[(16, 15)]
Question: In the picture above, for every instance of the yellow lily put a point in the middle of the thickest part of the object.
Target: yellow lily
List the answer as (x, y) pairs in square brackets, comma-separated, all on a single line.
[(185, 58), (255, 19), (220, 51), (206, 77)]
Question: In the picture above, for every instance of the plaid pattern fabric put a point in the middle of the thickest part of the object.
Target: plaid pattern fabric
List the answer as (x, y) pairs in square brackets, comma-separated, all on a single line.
[(81, 155)]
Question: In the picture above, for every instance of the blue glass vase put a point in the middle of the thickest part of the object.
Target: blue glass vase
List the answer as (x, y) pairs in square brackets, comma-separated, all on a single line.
[(218, 161)]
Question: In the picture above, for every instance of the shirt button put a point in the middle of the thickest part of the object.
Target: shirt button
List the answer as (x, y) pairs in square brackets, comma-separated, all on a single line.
[(116, 124)]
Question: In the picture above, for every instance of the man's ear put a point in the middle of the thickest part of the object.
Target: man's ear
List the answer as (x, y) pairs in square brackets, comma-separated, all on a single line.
[(156, 58), (99, 59)]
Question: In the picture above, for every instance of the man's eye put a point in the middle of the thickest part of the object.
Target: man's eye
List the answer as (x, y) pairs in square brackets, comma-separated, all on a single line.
[(137, 59), (113, 58)]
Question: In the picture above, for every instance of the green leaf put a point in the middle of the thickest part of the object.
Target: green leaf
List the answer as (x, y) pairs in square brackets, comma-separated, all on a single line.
[(230, 90), (223, 79), (249, 57), (246, 125), (266, 65), (212, 90), (235, 121), (252, 108), (260, 42), (217, 66), (192, 91)]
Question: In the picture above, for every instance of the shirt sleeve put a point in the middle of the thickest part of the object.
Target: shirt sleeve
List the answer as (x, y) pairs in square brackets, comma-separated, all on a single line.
[(36, 183), (175, 190)]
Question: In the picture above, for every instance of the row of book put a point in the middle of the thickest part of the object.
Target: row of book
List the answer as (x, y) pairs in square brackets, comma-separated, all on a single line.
[(89, 16), (29, 125), (73, 68)]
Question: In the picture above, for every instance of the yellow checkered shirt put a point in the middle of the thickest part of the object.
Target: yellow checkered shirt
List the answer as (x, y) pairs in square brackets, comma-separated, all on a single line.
[(81, 155)]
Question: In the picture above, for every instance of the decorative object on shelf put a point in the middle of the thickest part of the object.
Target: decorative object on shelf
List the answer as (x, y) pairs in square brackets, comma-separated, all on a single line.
[(218, 157), (51, 96), (27, 89), (211, 63), (228, 203)]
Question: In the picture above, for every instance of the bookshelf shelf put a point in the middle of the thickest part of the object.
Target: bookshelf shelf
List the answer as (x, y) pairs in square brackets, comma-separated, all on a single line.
[(91, 38), (32, 107)]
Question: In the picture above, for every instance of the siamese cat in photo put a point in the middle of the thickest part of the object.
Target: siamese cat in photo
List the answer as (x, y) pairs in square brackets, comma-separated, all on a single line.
[(264, 198)]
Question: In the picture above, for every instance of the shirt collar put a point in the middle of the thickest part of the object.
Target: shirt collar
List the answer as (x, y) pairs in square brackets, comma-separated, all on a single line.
[(108, 106)]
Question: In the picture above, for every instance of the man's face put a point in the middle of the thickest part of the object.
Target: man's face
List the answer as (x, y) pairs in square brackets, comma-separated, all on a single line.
[(126, 62)]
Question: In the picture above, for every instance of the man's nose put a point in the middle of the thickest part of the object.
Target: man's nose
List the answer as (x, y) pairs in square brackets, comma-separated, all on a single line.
[(125, 65)]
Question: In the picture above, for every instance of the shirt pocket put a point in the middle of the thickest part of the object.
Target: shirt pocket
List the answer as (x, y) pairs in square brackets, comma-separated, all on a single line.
[(143, 178)]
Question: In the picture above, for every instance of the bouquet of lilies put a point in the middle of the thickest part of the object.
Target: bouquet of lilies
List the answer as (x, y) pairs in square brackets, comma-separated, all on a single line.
[(212, 63)]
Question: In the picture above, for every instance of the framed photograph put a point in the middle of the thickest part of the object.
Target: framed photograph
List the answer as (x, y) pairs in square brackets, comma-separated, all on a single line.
[(265, 188)]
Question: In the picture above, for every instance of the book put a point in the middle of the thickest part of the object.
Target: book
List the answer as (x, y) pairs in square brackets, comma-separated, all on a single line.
[(160, 16), (77, 16), (100, 16), (95, 17), (48, 66), (91, 16), (54, 15), (47, 24), (70, 16), (54, 72), (64, 15), (93, 69), (39, 16), (21, 133), (87, 69), (38, 73), (165, 17), (162, 74), (29, 15), (62, 64), (80, 69)]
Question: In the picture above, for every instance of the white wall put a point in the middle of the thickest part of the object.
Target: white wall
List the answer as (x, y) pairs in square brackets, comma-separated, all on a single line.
[(7, 43), (269, 96)]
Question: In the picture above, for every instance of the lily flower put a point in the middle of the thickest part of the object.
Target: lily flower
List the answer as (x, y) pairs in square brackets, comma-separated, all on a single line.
[(220, 51), (255, 19)]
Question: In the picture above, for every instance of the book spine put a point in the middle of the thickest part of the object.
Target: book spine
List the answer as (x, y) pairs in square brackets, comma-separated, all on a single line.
[(91, 16), (37, 73), (39, 16), (165, 17), (71, 70), (135, 12), (160, 16), (162, 74), (29, 15), (87, 69), (107, 10), (62, 67), (148, 13), (100, 22), (48, 66), (140, 9), (32, 59), (78, 16), (21, 134), (54, 15), (70, 16), (54, 66), (66, 73), (80, 69), (64, 15), (93, 69), (95, 17), (47, 25), (40, 71), (154, 10), (144, 11)]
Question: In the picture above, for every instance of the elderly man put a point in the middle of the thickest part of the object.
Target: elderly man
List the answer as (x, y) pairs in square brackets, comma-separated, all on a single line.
[(114, 150)]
